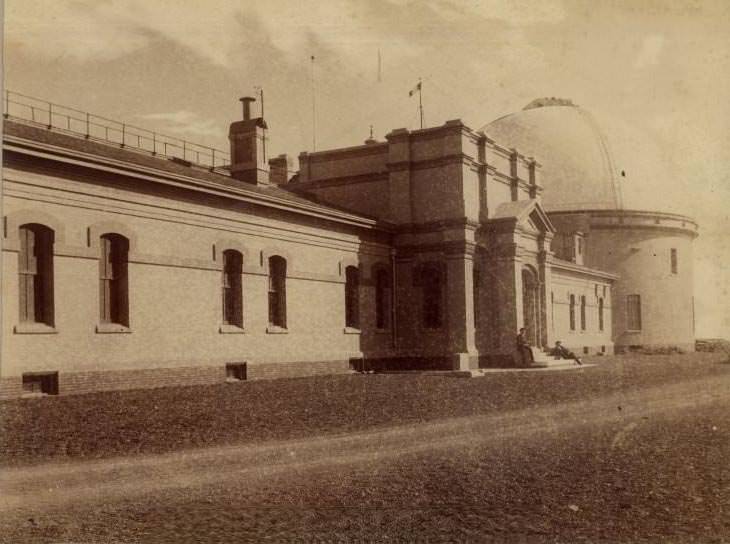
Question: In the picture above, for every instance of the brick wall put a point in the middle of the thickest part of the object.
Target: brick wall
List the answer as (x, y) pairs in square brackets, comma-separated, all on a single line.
[(267, 371)]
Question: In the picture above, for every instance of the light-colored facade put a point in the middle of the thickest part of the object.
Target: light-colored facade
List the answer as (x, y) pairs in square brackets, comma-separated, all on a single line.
[(610, 183), (428, 250)]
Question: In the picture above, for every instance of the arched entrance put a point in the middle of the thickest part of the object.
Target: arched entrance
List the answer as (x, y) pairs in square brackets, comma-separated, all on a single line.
[(530, 306)]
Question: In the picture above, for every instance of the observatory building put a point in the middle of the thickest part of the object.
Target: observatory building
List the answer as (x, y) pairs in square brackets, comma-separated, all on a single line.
[(132, 259)]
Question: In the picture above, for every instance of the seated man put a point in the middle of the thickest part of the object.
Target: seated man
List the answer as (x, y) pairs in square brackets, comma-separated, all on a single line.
[(524, 348), (563, 353)]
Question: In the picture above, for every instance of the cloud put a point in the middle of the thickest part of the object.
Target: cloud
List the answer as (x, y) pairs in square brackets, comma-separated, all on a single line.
[(55, 30), (651, 48), (182, 122), (225, 31), (86, 30), (514, 12)]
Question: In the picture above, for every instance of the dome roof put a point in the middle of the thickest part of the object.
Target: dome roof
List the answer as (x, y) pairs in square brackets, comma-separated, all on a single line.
[(588, 164)]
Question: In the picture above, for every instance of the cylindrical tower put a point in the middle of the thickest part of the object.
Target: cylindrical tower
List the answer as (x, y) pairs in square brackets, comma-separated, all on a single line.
[(610, 183)]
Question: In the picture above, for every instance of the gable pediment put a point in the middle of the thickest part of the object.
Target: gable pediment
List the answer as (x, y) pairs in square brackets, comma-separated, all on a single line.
[(524, 214)]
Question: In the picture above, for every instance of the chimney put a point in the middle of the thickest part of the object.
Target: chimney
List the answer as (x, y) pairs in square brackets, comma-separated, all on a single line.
[(248, 147), (279, 170), (246, 101)]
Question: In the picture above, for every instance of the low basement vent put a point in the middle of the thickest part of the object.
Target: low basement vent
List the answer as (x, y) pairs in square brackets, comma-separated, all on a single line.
[(40, 383), (235, 372)]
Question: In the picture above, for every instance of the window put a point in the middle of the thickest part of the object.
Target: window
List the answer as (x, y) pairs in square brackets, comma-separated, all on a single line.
[(113, 296), (35, 268), (232, 288), (673, 260), (40, 383), (633, 312), (572, 312), (432, 294), (582, 312), (382, 299), (352, 297), (600, 314), (235, 372), (277, 291)]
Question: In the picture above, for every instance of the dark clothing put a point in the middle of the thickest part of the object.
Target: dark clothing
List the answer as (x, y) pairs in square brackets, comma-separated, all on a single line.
[(525, 350), (564, 353)]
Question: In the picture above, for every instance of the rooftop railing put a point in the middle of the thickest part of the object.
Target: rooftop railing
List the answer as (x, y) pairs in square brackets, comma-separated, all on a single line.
[(27, 109)]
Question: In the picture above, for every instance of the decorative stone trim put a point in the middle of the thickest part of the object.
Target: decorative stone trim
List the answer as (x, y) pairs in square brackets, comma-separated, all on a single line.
[(350, 260), (13, 221), (96, 230), (112, 328), (225, 328), (34, 328)]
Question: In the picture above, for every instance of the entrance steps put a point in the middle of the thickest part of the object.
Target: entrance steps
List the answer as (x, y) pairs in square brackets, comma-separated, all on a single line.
[(542, 359)]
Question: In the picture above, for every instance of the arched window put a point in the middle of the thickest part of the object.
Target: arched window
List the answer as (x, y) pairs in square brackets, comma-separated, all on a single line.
[(572, 312), (232, 288), (352, 297), (113, 295), (582, 312), (277, 291), (35, 274), (382, 299), (600, 314), (432, 294)]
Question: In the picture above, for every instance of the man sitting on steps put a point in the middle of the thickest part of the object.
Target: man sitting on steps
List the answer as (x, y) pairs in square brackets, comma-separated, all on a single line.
[(563, 353)]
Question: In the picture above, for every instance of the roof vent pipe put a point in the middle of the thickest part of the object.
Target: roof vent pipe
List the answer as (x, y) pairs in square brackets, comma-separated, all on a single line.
[(246, 101)]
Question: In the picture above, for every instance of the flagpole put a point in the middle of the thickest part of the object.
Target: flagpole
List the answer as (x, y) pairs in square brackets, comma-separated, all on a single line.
[(420, 100), (314, 111), (261, 96)]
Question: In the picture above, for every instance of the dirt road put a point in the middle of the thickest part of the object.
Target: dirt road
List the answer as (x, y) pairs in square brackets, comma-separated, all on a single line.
[(54, 487)]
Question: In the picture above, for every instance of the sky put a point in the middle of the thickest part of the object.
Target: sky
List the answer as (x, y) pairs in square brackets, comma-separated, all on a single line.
[(179, 67)]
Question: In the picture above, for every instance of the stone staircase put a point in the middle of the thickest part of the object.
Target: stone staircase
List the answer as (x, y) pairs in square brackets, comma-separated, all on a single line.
[(543, 359)]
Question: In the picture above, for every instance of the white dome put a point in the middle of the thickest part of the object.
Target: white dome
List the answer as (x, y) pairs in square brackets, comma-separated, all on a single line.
[(589, 164)]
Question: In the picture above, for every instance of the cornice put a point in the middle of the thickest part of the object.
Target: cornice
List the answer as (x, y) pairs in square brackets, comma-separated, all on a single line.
[(343, 153), (435, 226), (559, 264), (455, 247), (297, 186), (595, 213)]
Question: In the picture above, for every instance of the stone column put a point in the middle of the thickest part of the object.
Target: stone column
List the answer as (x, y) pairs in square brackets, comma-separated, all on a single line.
[(507, 277), (546, 286), (460, 308)]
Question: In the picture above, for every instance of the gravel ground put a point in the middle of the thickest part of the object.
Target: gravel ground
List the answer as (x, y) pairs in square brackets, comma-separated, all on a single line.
[(596, 474), (162, 420)]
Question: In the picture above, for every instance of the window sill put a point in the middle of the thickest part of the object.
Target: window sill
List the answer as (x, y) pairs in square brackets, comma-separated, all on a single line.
[(33, 395), (231, 329), (273, 329), (633, 331), (351, 330), (112, 328), (34, 328)]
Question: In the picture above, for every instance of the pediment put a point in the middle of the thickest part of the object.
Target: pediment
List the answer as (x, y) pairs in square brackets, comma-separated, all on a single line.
[(525, 214)]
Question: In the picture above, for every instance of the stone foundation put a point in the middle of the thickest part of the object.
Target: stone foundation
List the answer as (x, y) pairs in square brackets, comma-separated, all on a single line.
[(75, 383)]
